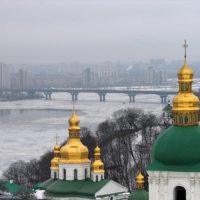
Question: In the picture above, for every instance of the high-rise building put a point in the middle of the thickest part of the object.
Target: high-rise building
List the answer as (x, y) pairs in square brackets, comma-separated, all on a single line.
[(4, 76), (154, 77), (21, 80)]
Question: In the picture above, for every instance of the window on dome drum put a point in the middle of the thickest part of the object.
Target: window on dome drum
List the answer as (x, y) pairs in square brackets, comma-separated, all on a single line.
[(181, 118), (186, 118), (97, 178), (64, 174), (75, 174), (101, 177), (85, 173), (179, 193)]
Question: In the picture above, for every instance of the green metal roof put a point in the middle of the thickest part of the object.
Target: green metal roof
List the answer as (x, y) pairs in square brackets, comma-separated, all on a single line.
[(12, 188), (177, 149), (139, 195), (76, 188)]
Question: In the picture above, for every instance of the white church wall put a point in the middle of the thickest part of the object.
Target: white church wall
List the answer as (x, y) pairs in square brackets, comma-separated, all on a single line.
[(53, 172), (70, 171), (95, 175), (162, 185)]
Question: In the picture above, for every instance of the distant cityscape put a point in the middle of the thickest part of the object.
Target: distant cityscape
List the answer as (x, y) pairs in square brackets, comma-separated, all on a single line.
[(92, 75)]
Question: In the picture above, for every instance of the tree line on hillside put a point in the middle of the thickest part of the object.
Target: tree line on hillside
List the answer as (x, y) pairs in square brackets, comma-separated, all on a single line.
[(125, 142)]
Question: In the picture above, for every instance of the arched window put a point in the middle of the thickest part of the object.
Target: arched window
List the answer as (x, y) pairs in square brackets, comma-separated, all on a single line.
[(190, 117), (64, 174), (181, 119), (97, 178), (186, 118), (179, 193), (101, 177), (54, 175), (86, 173), (75, 174)]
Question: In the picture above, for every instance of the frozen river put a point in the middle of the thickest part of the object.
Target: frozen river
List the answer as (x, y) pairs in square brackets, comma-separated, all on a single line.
[(28, 127)]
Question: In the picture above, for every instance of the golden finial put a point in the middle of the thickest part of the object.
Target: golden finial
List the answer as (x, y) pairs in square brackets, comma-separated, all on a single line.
[(185, 45)]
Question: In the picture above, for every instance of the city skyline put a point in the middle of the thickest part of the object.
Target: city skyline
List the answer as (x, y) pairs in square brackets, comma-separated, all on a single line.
[(37, 32)]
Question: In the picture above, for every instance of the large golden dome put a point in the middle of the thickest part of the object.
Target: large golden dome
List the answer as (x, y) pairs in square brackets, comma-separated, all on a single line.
[(56, 158), (185, 104), (74, 151)]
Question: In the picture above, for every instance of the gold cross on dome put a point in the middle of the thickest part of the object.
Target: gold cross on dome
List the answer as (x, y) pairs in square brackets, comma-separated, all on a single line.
[(185, 46)]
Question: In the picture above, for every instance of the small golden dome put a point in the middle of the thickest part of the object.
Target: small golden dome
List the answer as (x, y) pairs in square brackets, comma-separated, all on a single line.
[(74, 122), (97, 150), (56, 148), (140, 181), (185, 73), (97, 165), (56, 158), (74, 151)]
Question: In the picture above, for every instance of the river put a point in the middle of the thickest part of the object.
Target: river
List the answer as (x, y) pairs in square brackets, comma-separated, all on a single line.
[(28, 128)]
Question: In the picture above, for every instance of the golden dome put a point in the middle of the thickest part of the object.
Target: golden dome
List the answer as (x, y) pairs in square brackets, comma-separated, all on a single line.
[(97, 150), (74, 122), (185, 104), (97, 165), (74, 151), (185, 73), (140, 181), (56, 148), (56, 158)]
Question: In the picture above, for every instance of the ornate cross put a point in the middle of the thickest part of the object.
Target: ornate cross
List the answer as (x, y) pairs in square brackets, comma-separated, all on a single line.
[(185, 46)]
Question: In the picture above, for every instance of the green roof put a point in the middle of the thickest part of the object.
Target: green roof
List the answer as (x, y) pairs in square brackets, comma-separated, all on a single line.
[(139, 195), (80, 188), (12, 188), (177, 149)]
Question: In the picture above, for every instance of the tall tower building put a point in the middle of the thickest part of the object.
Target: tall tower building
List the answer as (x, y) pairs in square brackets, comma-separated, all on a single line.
[(4, 76), (174, 173)]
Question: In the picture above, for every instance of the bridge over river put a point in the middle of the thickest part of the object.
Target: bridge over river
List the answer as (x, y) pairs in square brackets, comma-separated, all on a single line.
[(101, 92)]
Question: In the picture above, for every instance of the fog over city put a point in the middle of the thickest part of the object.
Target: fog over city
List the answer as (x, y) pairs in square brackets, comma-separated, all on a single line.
[(41, 31)]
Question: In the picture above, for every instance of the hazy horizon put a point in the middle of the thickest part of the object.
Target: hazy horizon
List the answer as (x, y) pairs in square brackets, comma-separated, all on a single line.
[(56, 31)]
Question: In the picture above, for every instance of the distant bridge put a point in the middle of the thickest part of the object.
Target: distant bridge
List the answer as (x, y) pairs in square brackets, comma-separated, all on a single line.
[(102, 92)]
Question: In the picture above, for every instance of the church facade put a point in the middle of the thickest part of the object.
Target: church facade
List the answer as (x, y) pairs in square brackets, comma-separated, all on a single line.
[(74, 176), (174, 173)]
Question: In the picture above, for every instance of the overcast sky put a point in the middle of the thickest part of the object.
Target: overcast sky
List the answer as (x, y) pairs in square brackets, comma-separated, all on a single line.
[(50, 31)]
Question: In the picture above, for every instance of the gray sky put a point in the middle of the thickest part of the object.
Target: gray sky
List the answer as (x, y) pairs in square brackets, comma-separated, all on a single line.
[(50, 31)]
